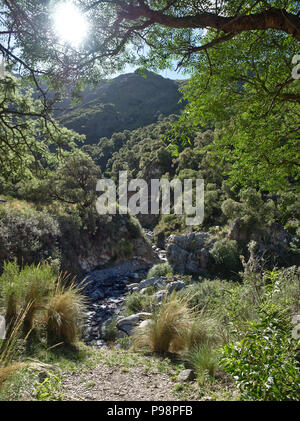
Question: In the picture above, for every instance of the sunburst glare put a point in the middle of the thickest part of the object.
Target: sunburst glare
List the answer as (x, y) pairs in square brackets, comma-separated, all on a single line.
[(70, 25)]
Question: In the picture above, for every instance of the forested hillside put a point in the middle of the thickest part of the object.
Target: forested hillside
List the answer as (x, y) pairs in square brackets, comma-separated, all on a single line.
[(128, 102)]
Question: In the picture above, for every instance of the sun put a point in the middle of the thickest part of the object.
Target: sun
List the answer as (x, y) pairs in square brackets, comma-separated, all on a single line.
[(70, 24)]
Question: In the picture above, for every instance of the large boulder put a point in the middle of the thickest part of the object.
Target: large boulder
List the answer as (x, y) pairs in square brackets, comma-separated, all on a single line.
[(188, 253)]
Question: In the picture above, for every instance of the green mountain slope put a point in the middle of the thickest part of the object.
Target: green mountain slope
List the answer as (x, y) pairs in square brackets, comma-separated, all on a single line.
[(128, 102)]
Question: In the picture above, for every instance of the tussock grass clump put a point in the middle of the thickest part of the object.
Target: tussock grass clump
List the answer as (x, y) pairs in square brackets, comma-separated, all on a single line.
[(39, 281), (174, 327), (64, 312), (162, 269), (168, 328), (203, 330), (25, 288), (11, 291), (203, 359)]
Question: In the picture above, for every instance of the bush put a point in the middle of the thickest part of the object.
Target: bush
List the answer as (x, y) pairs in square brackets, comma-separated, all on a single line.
[(29, 235), (137, 302), (226, 255), (253, 210), (207, 294), (161, 269), (110, 330), (264, 363)]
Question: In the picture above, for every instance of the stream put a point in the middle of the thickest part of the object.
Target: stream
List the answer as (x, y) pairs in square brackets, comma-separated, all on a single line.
[(105, 290)]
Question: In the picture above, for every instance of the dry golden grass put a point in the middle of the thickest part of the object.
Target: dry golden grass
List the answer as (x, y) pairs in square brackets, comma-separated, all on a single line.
[(64, 311), (8, 348), (7, 371), (175, 327)]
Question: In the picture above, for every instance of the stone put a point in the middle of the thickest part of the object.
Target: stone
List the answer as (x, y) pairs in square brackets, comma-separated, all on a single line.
[(145, 324), (188, 253), (127, 324), (176, 286), (159, 295), (131, 286), (148, 282), (97, 295), (186, 375)]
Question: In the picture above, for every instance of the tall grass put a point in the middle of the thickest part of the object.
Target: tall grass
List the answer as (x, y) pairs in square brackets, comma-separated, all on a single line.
[(39, 281), (25, 288), (174, 327), (203, 359), (11, 292), (8, 348), (64, 312), (37, 289)]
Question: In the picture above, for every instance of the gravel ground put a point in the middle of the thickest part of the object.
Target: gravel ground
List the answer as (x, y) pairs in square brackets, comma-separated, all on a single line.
[(104, 383)]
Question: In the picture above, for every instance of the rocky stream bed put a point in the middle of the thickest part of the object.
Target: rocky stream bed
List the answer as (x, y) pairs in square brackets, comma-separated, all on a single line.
[(105, 290)]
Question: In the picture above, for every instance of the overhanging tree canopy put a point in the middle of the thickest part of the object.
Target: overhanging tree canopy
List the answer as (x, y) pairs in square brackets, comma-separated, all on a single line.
[(246, 50), (122, 28)]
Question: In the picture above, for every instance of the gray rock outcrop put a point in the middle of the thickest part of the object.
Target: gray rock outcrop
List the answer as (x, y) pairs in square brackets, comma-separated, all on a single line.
[(189, 253)]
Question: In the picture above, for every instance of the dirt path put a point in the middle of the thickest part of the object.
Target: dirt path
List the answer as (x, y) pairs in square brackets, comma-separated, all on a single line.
[(107, 383)]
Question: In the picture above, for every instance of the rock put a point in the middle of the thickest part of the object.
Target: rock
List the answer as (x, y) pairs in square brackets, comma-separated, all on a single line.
[(160, 240), (127, 324), (97, 295), (189, 253), (121, 334), (176, 286), (131, 286), (159, 295), (239, 232), (186, 375), (145, 323), (148, 282), (156, 283)]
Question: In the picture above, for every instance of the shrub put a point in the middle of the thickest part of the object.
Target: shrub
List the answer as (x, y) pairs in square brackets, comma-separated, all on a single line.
[(207, 294), (203, 359), (29, 236), (64, 312), (253, 209), (226, 255), (162, 269), (137, 302), (264, 363), (110, 330)]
